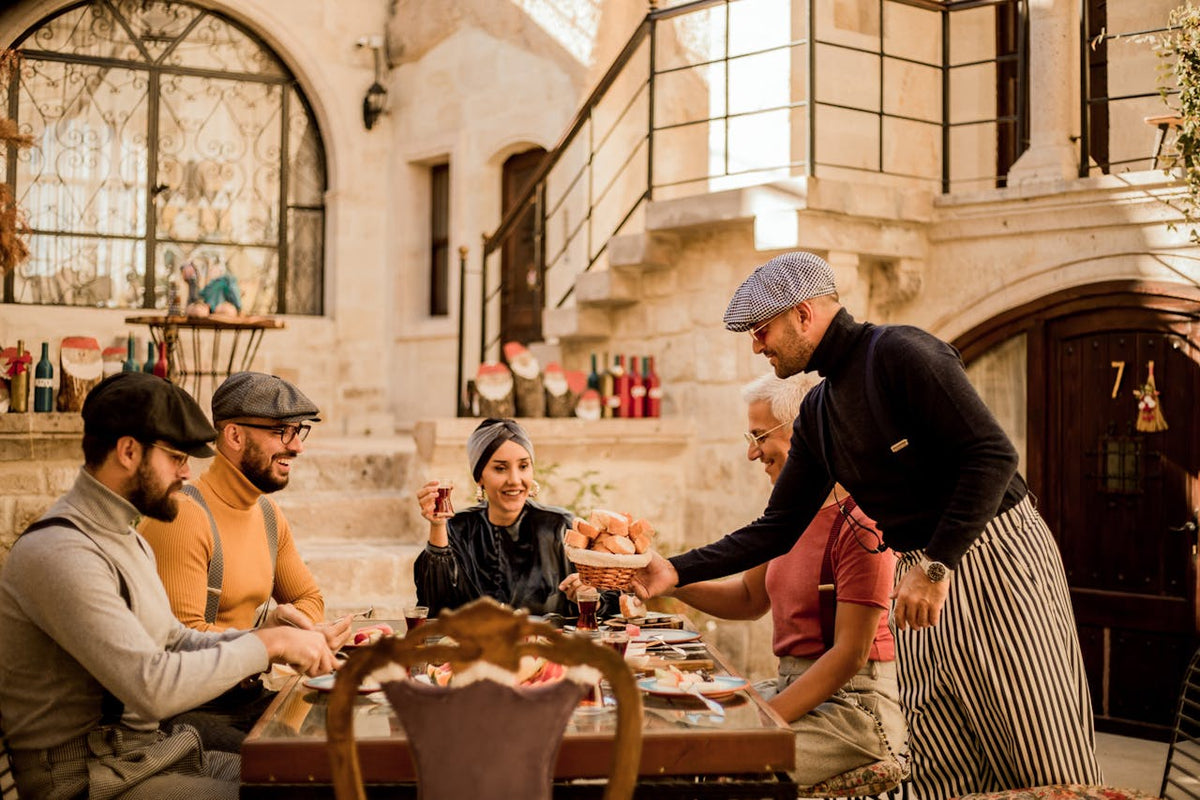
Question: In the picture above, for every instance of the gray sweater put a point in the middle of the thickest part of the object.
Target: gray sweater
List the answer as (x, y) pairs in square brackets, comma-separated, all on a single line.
[(66, 632)]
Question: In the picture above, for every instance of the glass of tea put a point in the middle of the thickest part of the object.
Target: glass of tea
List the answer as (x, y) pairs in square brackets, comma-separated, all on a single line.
[(442, 507), (617, 640), (588, 600), (415, 616)]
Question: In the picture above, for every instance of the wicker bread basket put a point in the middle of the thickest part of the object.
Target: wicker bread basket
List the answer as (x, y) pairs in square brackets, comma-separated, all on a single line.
[(606, 570)]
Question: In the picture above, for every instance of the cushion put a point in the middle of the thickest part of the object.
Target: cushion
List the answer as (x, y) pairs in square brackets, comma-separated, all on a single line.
[(1066, 791), (864, 781), (458, 736)]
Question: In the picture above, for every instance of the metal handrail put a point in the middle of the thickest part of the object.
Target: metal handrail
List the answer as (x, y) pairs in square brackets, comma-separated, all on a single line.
[(587, 225)]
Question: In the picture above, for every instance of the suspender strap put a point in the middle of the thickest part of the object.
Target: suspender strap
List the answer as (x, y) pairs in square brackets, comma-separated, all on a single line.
[(111, 709), (827, 589), (216, 564)]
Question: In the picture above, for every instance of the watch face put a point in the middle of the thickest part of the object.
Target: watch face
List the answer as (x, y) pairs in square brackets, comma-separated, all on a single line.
[(935, 571)]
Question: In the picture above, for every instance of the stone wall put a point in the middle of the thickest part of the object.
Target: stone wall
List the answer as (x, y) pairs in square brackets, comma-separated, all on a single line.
[(39, 458)]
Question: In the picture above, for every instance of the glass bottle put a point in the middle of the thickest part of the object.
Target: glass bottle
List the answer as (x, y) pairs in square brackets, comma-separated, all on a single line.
[(18, 384), (131, 364), (43, 382), (623, 402), (606, 390), (637, 390), (150, 358), (161, 367), (653, 388), (593, 378)]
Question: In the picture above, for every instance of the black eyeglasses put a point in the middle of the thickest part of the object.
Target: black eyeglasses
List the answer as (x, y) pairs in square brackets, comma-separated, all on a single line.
[(286, 432), (868, 538)]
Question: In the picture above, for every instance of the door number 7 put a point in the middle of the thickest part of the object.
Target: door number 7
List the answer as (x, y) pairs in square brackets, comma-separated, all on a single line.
[(1119, 366)]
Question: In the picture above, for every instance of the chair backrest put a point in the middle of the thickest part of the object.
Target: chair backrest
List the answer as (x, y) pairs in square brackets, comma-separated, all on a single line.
[(487, 639), (1181, 776)]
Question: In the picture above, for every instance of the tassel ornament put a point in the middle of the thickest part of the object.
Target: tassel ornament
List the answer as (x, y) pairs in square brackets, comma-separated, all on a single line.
[(1150, 416)]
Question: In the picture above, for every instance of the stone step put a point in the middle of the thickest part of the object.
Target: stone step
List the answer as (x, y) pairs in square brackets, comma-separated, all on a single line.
[(382, 515), (607, 288), (577, 323), (355, 575), (353, 463)]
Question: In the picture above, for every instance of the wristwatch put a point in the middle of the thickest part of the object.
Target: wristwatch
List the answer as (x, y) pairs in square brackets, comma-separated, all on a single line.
[(935, 571)]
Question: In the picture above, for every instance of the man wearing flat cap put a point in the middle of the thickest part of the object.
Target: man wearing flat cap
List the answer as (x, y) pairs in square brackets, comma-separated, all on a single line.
[(93, 656), (991, 674), (228, 560)]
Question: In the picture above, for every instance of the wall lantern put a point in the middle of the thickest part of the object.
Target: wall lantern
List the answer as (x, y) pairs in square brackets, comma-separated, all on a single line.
[(375, 100)]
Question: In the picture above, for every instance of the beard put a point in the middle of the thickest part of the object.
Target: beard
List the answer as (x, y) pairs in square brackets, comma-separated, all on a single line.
[(151, 498), (256, 466), (793, 354)]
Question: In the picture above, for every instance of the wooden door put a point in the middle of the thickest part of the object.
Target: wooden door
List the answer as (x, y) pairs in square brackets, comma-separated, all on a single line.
[(1122, 503), (522, 292)]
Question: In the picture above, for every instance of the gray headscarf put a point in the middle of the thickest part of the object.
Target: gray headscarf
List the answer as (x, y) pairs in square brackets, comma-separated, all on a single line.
[(490, 434)]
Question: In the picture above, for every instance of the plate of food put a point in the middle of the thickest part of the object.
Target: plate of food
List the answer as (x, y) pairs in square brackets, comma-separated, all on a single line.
[(650, 619), (717, 688), (324, 683), (369, 634), (667, 636)]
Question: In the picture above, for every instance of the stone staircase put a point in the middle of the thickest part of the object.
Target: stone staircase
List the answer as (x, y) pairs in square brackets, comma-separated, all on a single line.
[(353, 513)]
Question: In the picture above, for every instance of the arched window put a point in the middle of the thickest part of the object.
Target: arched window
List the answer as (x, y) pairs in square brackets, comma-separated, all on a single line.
[(164, 134)]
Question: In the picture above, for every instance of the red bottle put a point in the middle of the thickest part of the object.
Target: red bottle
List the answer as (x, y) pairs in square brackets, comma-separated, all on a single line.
[(160, 366), (621, 386), (653, 388), (637, 390)]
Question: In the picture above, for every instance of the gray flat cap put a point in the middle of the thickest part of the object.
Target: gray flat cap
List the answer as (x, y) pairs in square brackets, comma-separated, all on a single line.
[(256, 394), (776, 286)]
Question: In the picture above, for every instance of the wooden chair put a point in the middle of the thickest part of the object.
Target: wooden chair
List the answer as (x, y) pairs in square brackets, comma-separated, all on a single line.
[(465, 738), (1181, 776)]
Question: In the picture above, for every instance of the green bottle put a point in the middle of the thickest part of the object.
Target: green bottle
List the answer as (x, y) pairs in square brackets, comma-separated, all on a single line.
[(151, 357), (131, 364), (43, 382)]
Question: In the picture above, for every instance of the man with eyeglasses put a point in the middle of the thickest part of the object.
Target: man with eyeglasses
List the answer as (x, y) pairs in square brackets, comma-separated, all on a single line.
[(828, 598), (93, 657), (229, 560), (991, 674)]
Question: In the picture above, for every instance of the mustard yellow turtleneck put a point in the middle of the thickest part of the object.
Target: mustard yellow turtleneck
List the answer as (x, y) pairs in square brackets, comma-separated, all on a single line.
[(183, 548)]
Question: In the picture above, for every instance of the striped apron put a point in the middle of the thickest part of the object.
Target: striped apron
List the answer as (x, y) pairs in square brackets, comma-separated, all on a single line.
[(995, 694)]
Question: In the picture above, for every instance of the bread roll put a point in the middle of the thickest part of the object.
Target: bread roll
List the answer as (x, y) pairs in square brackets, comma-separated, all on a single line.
[(587, 529), (641, 542), (619, 545), (576, 539), (632, 607)]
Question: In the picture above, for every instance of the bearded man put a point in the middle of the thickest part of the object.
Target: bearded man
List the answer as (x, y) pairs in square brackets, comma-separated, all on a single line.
[(93, 657), (228, 560)]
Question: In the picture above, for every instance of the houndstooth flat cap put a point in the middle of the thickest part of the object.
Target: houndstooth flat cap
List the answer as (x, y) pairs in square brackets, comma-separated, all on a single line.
[(776, 286), (256, 394)]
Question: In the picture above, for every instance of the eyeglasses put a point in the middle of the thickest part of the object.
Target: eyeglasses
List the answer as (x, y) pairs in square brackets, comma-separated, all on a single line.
[(868, 538), (179, 457), (286, 432), (757, 334), (756, 439)]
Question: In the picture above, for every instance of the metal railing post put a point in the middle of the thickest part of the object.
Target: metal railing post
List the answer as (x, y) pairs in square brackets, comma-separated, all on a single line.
[(650, 106), (1085, 91), (812, 89), (483, 303), (461, 404), (945, 101)]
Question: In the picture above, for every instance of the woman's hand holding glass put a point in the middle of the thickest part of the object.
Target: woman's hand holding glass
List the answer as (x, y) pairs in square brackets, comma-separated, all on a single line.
[(427, 498)]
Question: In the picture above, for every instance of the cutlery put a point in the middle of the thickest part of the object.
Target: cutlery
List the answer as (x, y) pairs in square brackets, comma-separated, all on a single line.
[(716, 708)]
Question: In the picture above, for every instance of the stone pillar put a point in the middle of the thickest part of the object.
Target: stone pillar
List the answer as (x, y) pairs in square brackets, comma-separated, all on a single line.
[(1053, 92)]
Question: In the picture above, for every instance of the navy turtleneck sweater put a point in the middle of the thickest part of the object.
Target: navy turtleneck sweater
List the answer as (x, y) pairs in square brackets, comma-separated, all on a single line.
[(952, 471)]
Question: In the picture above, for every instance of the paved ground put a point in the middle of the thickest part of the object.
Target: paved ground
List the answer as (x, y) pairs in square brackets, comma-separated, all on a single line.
[(1131, 763)]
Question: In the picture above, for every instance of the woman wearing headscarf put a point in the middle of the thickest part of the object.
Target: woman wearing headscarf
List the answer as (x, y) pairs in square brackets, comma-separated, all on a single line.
[(508, 547)]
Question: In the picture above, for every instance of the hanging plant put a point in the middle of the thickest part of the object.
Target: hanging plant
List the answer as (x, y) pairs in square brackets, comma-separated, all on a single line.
[(13, 225)]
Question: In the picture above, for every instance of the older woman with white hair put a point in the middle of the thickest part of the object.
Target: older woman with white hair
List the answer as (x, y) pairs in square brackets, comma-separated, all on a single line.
[(837, 674), (508, 547)]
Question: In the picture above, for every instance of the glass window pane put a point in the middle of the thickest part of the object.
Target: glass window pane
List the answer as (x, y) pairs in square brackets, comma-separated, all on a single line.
[(82, 271)]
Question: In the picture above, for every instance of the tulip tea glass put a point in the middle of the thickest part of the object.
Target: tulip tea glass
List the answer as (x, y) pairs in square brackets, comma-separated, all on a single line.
[(588, 600), (415, 616), (442, 507)]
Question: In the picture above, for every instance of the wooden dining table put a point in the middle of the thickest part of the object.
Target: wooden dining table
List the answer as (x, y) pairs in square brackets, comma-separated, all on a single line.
[(687, 749)]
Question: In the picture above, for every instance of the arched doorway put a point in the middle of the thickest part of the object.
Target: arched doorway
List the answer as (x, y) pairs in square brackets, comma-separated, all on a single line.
[(1122, 501)]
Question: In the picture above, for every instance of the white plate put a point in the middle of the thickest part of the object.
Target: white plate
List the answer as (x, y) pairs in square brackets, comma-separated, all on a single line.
[(721, 686), (324, 683), (668, 635)]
